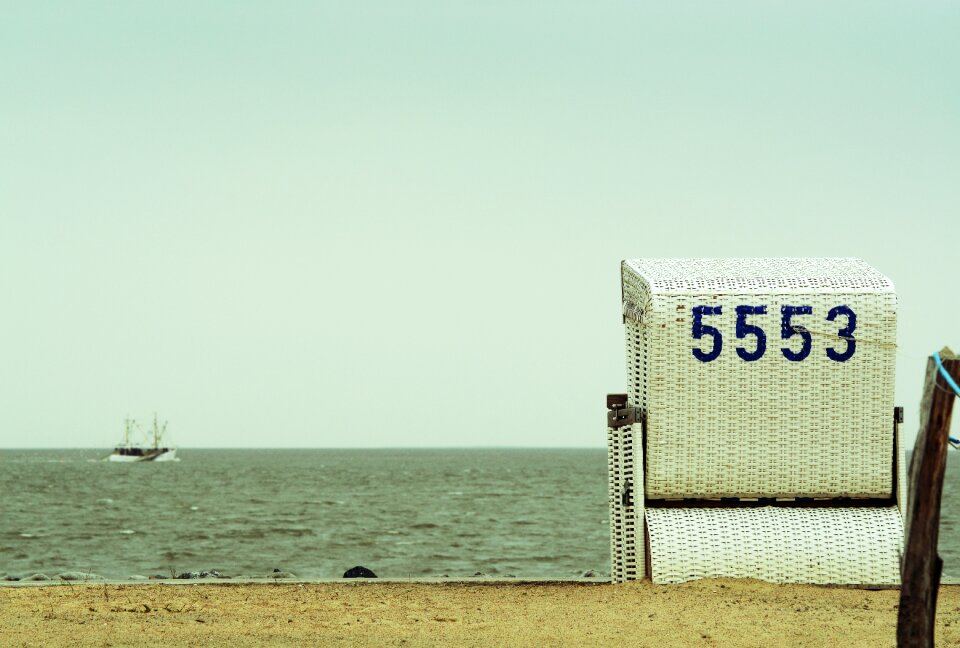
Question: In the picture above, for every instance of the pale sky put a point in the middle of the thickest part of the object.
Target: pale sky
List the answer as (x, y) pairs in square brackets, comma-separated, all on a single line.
[(364, 224)]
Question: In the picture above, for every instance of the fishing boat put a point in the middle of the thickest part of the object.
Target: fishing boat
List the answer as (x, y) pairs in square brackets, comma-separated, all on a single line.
[(129, 451)]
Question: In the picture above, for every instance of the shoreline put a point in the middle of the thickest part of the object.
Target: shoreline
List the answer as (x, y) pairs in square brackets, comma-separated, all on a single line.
[(226, 582), (375, 612), (430, 580)]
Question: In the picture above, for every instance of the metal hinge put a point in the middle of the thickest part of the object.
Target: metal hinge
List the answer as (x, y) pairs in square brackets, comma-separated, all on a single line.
[(620, 414), (626, 498)]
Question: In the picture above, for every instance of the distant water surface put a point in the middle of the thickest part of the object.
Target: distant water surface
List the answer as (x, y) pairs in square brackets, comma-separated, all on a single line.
[(402, 513), (531, 513)]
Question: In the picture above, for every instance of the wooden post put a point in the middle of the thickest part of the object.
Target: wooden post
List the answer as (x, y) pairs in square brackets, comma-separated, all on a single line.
[(921, 565)]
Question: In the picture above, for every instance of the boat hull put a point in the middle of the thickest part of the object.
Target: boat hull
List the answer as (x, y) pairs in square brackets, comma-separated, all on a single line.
[(162, 454), (169, 455)]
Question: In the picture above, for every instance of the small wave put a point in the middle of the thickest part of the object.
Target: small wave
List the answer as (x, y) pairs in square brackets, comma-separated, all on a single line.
[(27, 535), (425, 525), (194, 508), (296, 532), (246, 534), (177, 555), (549, 559), (364, 543), (127, 531)]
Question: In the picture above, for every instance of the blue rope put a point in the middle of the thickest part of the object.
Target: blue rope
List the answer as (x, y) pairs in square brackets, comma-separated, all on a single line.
[(956, 389), (943, 370)]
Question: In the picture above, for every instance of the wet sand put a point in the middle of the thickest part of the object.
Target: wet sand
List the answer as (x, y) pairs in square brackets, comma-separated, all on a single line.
[(371, 613)]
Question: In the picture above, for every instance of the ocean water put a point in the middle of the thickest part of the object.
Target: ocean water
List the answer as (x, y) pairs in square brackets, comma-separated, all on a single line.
[(529, 513), (402, 513)]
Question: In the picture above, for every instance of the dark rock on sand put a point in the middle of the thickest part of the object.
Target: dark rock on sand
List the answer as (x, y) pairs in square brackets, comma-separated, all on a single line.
[(359, 572), (213, 573), (589, 574), (10, 578), (281, 574)]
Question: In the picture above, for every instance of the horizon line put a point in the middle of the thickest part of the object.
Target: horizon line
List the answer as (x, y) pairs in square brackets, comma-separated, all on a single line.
[(475, 447)]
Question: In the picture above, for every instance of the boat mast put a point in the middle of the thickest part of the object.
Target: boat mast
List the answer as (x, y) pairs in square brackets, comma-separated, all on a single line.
[(156, 432)]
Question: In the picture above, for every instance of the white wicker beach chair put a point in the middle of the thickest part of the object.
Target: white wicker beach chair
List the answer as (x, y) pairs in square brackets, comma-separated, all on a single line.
[(757, 439)]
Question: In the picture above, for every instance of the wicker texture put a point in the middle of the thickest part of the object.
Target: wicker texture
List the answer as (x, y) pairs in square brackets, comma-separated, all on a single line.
[(770, 427), (614, 485), (627, 557), (853, 545)]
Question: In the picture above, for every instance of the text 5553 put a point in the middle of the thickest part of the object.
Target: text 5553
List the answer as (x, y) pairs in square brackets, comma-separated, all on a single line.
[(797, 339)]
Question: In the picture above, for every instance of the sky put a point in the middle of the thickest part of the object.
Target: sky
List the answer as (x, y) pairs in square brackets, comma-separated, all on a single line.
[(380, 224)]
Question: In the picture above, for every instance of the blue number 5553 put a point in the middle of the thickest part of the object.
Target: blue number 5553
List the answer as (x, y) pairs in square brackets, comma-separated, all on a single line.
[(789, 330)]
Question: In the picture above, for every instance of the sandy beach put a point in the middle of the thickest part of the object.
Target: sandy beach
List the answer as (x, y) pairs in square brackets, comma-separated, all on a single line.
[(705, 613)]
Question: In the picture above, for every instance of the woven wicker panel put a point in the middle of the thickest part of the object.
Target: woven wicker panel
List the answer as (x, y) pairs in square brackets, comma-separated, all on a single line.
[(855, 545), (615, 485), (627, 557), (769, 426)]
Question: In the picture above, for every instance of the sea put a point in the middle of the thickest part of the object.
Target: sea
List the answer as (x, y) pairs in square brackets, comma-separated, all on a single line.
[(524, 513)]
